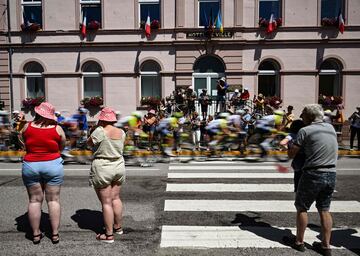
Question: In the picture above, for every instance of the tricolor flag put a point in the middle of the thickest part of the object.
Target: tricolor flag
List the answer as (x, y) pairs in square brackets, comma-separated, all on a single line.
[(147, 27), (218, 22), (341, 23), (272, 25), (83, 26)]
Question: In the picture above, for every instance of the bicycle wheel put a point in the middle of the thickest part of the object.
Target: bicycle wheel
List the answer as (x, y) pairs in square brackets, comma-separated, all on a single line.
[(278, 152)]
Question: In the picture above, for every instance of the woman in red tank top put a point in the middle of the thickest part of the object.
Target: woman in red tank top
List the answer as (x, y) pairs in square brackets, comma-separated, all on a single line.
[(42, 169)]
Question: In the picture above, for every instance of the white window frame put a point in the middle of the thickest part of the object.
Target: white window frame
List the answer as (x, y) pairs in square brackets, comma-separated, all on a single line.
[(206, 1), (146, 2), (149, 73), (84, 2), (268, 72), (32, 3), (89, 74), (329, 72), (40, 75)]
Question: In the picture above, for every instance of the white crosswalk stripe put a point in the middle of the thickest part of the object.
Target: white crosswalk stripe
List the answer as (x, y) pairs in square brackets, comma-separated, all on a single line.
[(251, 179)]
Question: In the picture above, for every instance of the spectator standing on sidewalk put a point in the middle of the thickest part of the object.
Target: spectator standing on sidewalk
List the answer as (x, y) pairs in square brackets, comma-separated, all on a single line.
[(42, 168), (107, 172), (355, 128), (221, 88), (204, 102), (289, 117), (319, 142)]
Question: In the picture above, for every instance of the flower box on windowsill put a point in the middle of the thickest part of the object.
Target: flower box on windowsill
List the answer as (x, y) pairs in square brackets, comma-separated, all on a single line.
[(30, 103), (92, 102), (273, 101), (330, 22), (93, 25), (150, 102), (32, 27), (330, 102), (264, 23)]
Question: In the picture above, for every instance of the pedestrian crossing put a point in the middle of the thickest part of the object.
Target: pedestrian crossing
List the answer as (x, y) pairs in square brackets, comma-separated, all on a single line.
[(241, 190)]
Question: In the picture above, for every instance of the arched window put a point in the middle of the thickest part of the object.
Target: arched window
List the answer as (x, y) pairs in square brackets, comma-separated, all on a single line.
[(35, 82), (269, 78), (330, 82), (92, 79), (207, 70), (150, 79)]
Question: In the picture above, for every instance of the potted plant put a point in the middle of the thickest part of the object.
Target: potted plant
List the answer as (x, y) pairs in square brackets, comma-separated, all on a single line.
[(94, 25), (92, 102), (30, 27), (30, 103), (330, 102), (151, 101), (273, 101), (155, 24)]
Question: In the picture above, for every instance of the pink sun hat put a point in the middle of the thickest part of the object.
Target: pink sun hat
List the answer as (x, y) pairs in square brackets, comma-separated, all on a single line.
[(107, 114), (46, 110)]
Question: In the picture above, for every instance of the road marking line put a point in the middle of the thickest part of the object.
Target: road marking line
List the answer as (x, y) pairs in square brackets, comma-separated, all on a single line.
[(229, 175), (212, 167), (88, 169), (224, 163), (252, 205), (244, 237), (223, 187)]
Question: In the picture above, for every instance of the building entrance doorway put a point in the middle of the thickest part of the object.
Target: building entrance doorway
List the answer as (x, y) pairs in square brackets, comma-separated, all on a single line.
[(207, 70)]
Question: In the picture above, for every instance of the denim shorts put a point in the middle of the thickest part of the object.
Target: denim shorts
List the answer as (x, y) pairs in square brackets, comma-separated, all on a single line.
[(45, 172), (315, 186)]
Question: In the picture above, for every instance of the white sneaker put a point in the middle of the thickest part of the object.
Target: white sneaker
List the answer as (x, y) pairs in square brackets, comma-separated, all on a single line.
[(168, 152), (119, 231)]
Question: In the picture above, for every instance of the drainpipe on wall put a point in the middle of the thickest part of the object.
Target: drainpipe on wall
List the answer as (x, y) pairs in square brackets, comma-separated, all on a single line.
[(10, 59)]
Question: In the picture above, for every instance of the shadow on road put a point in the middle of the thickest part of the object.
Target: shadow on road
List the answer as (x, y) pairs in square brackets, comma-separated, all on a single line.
[(341, 238), (23, 224), (260, 228), (89, 219)]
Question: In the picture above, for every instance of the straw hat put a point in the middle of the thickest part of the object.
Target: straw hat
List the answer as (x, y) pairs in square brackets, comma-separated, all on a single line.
[(46, 110), (107, 114)]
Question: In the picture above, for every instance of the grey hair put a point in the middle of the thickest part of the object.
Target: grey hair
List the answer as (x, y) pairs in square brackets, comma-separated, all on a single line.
[(314, 112)]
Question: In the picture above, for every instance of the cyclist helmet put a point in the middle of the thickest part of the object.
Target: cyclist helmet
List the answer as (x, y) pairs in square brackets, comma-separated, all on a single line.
[(278, 117), (240, 112), (279, 112), (178, 114), (137, 114), (224, 115)]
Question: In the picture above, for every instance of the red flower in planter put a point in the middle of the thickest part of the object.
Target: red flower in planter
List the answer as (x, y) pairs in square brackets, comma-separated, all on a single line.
[(29, 103), (155, 24), (264, 23), (93, 25), (89, 102), (30, 27)]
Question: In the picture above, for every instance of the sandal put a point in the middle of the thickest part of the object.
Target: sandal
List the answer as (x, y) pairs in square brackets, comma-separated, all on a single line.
[(55, 238), (37, 241), (105, 238), (119, 231)]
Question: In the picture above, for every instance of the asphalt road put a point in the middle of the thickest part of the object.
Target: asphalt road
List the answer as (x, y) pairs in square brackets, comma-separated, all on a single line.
[(150, 223)]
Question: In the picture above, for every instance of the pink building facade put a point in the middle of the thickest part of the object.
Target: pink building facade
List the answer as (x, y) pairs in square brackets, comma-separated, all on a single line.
[(298, 61)]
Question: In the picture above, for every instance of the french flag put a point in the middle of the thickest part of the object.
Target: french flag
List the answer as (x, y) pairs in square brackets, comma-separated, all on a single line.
[(147, 27), (341, 24), (272, 25), (83, 26)]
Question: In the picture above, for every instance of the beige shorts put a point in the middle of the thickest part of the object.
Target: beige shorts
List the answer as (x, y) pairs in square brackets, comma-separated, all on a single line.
[(105, 172)]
